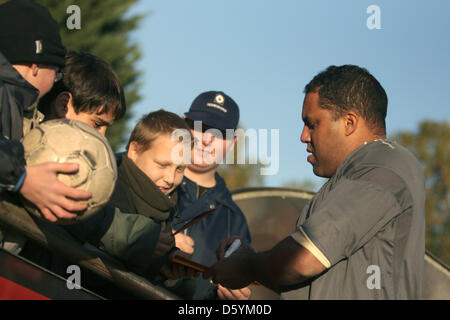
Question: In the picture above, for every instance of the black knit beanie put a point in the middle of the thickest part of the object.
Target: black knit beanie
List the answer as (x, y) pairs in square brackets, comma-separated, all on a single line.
[(29, 34)]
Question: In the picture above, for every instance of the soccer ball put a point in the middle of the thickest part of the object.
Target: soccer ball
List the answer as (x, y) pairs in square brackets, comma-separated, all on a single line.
[(73, 141)]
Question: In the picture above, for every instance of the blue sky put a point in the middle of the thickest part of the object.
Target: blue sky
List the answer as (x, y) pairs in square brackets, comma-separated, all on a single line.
[(263, 52)]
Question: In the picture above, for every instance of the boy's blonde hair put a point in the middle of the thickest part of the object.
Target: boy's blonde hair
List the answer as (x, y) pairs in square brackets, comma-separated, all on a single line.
[(154, 125)]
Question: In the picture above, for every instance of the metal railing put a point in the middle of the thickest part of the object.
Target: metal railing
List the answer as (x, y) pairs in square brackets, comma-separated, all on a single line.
[(54, 238)]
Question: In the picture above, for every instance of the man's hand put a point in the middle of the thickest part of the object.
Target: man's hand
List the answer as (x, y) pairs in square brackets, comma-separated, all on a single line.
[(184, 243), (286, 264), (228, 294), (53, 198), (232, 272), (224, 245)]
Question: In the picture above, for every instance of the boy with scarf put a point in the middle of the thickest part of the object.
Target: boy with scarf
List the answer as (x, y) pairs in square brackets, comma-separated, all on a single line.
[(148, 176)]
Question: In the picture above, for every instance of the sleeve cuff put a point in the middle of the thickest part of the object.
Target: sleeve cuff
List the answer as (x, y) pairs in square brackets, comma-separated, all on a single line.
[(302, 238), (20, 182)]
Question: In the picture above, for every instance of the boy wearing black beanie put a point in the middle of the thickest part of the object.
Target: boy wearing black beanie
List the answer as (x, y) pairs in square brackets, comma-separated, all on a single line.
[(31, 54)]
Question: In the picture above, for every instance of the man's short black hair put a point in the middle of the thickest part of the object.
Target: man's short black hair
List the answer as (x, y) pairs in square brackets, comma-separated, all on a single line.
[(350, 87)]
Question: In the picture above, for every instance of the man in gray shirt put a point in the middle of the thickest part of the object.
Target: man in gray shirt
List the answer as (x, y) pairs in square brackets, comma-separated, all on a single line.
[(362, 236)]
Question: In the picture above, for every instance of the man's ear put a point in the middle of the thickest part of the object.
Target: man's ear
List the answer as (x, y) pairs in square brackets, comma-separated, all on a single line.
[(60, 105), (351, 122)]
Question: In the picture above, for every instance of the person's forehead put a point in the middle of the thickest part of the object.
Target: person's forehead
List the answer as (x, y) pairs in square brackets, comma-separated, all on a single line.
[(101, 111), (162, 144), (206, 134), (309, 102), (161, 150), (200, 125), (311, 107), (107, 117)]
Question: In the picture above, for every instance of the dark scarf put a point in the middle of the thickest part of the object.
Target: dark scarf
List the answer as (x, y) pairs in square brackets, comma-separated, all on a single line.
[(148, 200)]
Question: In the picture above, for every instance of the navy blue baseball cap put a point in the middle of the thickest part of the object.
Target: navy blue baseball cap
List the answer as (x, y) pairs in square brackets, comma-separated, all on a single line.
[(214, 109)]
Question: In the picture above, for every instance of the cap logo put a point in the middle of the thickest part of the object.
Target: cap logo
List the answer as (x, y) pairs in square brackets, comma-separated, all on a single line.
[(38, 46), (219, 99)]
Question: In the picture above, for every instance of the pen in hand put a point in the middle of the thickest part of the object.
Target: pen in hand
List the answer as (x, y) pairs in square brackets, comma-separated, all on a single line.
[(232, 248), (195, 220)]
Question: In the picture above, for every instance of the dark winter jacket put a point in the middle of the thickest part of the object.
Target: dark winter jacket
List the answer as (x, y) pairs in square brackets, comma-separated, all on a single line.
[(18, 114), (226, 221), (18, 101)]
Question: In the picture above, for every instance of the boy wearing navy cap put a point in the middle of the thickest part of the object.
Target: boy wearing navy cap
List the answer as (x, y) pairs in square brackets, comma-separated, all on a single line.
[(210, 116)]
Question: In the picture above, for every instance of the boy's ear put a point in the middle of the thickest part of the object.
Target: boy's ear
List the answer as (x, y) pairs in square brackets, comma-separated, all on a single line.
[(34, 69), (132, 151), (231, 145), (60, 105)]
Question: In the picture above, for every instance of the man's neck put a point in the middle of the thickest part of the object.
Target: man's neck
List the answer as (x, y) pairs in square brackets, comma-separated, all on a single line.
[(204, 179)]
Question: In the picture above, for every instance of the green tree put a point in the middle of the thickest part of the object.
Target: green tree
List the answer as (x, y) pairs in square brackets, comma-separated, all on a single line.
[(104, 31), (431, 145)]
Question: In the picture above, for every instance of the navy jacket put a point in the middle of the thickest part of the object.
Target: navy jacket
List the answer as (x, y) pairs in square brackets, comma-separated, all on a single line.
[(226, 221)]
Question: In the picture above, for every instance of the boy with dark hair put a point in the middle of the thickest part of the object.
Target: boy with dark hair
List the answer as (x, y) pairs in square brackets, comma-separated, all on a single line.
[(90, 92)]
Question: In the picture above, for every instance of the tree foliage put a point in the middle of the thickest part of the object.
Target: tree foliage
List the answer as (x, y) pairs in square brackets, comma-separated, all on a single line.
[(105, 30), (431, 145)]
